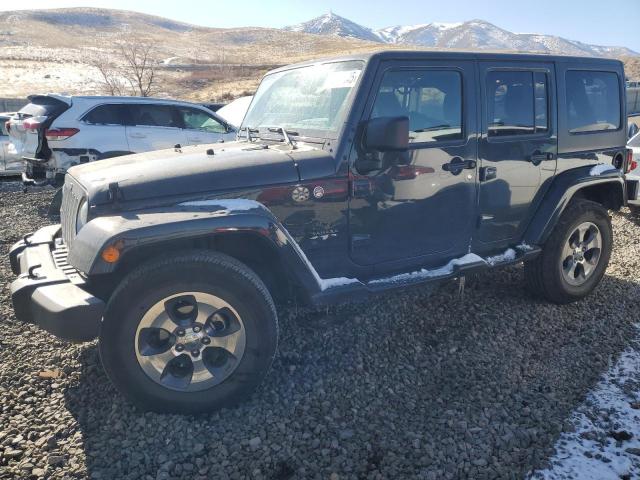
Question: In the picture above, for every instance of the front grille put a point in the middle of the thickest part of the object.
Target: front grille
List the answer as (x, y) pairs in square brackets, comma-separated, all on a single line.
[(72, 195), (60, 254)]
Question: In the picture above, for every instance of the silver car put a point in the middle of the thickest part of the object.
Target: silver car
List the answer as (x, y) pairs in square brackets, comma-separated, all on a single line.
[(10, 162)]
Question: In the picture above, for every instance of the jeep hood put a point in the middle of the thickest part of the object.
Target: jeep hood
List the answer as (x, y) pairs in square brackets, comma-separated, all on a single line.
[(189, 170)]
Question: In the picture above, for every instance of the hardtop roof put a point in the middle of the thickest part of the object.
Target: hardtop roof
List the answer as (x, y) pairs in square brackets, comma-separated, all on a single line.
[(455, 55)]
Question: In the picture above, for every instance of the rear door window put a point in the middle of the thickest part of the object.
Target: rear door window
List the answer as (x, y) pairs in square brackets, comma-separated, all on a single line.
[(432, 99), (593, 101), (517, 103), (110, 114), (155, 116), (195, 119)]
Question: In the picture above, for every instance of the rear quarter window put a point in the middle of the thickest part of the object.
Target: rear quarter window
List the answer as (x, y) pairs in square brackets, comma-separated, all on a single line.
[(593, 101)]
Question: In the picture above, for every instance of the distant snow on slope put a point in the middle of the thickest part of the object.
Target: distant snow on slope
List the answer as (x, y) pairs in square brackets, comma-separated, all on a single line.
[(332, 24), (473, 34)]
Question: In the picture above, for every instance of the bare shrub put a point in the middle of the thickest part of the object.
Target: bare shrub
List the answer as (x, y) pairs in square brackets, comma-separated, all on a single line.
[(133, 69)]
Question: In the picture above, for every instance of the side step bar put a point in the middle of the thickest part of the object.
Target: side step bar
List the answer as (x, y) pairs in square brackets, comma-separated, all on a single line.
[(468, 264)]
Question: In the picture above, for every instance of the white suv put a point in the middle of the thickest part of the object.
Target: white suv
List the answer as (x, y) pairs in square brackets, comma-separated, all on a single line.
[(54, 132)]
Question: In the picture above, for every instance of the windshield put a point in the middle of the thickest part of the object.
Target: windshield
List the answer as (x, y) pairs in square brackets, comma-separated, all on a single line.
[(312, 100)]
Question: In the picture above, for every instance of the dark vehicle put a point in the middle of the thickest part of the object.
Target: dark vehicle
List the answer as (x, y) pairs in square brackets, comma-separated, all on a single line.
[(352, 176), (214, 107)]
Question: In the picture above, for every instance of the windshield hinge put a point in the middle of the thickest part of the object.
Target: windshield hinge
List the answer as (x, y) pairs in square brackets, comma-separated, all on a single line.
[(115, 194)]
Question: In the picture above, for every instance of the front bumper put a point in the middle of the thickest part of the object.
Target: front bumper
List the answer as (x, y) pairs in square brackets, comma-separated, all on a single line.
[(49, 292)]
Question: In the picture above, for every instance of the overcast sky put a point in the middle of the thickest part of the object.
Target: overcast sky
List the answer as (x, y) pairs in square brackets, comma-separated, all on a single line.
[(605, 22)]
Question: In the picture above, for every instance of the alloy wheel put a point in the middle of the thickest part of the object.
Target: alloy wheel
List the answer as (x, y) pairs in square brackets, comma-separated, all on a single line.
[(190, 341), (581, 253)]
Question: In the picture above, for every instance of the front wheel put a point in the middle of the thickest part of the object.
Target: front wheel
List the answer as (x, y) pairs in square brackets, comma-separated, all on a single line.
[(190, 333), (575, 256)]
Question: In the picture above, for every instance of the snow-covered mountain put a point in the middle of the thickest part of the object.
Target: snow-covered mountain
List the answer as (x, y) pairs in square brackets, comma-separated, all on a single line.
[(332, 24), (473, 34)]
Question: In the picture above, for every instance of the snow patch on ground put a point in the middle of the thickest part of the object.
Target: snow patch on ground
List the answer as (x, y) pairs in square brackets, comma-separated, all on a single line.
[(600, 169), (591, 452)]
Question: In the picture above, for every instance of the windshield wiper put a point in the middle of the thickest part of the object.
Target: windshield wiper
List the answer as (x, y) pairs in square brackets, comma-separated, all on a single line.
[(286, 134), (249, 131)]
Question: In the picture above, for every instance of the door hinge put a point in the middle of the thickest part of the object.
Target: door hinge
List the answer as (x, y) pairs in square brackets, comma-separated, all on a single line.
[(488, 173)]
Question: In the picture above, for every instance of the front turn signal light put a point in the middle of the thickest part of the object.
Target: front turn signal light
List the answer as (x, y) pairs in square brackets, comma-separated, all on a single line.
[(111, 254)]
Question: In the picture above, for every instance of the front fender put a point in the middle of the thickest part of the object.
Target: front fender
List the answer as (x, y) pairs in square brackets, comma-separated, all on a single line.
[(189, 220), (560, 193)]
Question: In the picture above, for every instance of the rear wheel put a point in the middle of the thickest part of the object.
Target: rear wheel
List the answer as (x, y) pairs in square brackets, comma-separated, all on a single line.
[(190, 333), (576, 255)]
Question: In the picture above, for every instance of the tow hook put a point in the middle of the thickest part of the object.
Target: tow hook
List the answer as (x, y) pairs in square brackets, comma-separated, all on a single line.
[(31, 272)]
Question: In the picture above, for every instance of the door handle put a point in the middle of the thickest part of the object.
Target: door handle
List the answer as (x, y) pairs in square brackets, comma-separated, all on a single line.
[(137, 135), (538, 157), (457, 164)]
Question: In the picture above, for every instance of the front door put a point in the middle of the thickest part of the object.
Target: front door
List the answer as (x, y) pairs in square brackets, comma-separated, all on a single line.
[(419, 209), (200, 127), (517, 150)]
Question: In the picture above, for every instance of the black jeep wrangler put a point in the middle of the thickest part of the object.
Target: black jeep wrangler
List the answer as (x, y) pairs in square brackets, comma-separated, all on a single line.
[(350, 176)]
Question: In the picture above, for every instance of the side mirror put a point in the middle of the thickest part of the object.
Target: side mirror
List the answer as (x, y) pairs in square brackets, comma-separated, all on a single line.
[(387, 134), (633, 130)]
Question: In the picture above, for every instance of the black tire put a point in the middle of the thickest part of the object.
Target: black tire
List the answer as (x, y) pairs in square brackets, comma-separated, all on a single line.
[(195, 271), (544, 276)]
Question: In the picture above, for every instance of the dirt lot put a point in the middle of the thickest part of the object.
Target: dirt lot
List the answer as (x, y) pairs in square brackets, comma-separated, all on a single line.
[(409, 385)]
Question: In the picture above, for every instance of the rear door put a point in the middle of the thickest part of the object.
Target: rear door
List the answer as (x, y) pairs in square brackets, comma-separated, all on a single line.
[(419, 210), (517, 150), (154, 127), (103, 128), (201, 127)]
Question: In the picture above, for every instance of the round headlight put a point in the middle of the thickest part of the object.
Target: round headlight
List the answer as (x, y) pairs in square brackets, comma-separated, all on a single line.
[(83, 213)]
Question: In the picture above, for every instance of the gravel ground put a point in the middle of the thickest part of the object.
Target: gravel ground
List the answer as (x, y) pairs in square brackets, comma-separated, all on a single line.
[(605, 444), (409, 385)]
